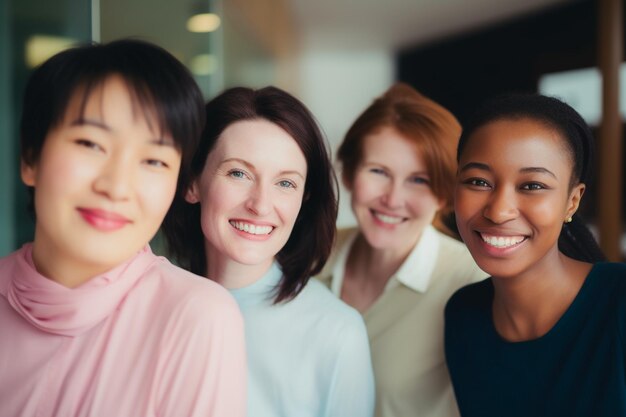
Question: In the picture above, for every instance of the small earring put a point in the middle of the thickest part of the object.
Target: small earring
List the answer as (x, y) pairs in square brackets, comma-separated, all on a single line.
[(568, 220)]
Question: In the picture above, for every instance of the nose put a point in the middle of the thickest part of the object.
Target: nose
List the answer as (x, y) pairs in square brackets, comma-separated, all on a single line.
[(259, 201), (114, 180), (393, 196), (501, 206)]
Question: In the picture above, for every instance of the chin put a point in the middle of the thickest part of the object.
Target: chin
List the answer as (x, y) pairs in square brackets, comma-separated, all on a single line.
[(252, 259), (380, 243), (498, 269)]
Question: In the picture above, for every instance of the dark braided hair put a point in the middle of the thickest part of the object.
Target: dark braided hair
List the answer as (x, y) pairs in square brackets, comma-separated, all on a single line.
[(575, 240)]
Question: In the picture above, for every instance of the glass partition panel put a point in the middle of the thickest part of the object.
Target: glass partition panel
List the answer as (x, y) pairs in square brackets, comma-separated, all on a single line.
[(30, 32)]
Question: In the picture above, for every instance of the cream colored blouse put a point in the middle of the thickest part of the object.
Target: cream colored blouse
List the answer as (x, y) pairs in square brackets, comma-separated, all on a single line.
[(405, 324)]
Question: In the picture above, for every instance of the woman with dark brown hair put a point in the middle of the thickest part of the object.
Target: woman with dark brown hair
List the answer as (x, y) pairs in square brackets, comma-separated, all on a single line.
[(259, 218), (396, 268)]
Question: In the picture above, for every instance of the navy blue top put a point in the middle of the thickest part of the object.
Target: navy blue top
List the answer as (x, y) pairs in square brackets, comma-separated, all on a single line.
[(576, 369)]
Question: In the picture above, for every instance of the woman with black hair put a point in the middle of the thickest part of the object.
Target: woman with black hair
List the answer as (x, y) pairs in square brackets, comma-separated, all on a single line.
[(93, 323), (544, 336), (259, 218)]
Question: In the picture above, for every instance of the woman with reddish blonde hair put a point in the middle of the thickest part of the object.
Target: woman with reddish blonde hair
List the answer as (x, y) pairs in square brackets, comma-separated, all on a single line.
[(396, 268)]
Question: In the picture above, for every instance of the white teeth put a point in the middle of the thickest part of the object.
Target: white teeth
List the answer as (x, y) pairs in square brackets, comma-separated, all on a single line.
[(251, 228), (502, 241), (388, 219)]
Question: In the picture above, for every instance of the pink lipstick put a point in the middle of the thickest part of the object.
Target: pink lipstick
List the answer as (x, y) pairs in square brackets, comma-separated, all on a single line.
[(103, 220)]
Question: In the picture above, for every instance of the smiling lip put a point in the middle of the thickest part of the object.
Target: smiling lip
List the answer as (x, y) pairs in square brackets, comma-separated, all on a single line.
[(386, 220), (103, 220), (501, 244), (252, 230)]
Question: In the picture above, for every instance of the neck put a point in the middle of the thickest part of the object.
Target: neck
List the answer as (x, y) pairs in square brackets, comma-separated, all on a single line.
[(64, 270), (527, 306), (380, 264), (232, 274)]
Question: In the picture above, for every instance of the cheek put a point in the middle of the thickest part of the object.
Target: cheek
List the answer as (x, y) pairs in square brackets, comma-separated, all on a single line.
[(61, 176), (364, 191), (219, 200), (548, 212), (466, 205), (289, 207), (157, 193), (424, 203)]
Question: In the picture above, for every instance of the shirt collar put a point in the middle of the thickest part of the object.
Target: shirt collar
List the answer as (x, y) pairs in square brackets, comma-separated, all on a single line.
[(417, 269), (415, 272), (56, 309)]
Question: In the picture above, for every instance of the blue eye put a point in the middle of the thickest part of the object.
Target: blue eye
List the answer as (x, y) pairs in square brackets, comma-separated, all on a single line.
[(379, 171), (235, 173), (286, 184), (419, 180)]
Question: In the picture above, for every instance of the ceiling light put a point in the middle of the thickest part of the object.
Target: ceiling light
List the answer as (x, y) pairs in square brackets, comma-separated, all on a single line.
[(203, 22), (41, 47), (203, 64)]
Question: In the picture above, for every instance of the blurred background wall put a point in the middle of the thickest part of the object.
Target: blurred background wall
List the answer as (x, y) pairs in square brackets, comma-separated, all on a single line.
[(335, 55)]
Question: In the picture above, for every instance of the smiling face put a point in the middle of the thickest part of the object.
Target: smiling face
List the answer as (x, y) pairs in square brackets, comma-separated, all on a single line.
[(391, 196), (103, 184), (513, 195), (250, 192)]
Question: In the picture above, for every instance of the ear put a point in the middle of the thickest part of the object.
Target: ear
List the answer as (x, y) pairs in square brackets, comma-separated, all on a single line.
[(28, 173), (192, 196), (574, 199)]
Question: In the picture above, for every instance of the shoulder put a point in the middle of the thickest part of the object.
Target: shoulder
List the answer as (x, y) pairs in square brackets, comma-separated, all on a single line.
[(608, 280), (15, 264), (184, 294), (605, 291), (614, 271), (322, 306), (456, 261), (473, 298), (7, 266)]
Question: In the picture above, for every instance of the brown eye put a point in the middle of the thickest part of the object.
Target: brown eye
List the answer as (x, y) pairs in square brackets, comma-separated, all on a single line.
[(477, 182), (531, 186), (157, 163), (89, 144)]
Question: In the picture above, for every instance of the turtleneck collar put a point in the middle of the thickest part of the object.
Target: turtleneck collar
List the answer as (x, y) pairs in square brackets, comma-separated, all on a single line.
[(262, 291), (56, 309)]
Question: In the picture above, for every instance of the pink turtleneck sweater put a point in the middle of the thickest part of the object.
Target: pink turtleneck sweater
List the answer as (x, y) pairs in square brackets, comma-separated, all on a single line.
[(145, 339)]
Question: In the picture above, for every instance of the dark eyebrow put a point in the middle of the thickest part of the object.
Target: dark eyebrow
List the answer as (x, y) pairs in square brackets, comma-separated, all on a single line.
[(475, 165), (162, 141), (90, 122), (252, 167), (539, 170), (485, 167)]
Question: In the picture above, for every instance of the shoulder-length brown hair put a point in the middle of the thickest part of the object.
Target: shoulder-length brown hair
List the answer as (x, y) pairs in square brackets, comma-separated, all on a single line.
[(428, 125), (311, 239)]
